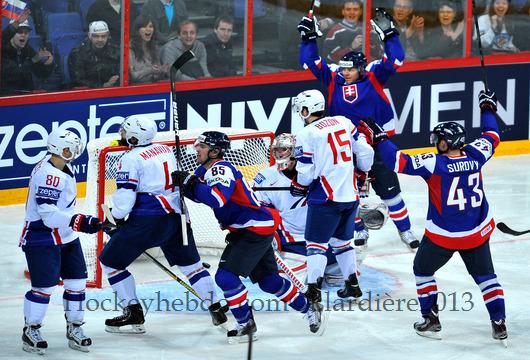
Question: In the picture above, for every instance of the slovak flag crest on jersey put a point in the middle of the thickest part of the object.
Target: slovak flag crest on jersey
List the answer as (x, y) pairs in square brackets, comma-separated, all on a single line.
[(349, 93)]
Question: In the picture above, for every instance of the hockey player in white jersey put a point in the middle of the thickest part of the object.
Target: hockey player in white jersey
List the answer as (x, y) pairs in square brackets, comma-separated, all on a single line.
[(146, 208), (51, 244), (326, 175), (289, 239)]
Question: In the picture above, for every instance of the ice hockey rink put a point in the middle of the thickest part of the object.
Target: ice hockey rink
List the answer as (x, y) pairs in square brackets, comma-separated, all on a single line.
[(363, 331)]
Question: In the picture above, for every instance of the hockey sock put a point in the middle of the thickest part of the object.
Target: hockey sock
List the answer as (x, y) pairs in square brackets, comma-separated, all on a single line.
[(316, 261), (398, 213), (345, 256), (427, 292), (284, 290), (201, 281), (73, 300), (235, 294), (35, 305), (123, 283), (493, 295)]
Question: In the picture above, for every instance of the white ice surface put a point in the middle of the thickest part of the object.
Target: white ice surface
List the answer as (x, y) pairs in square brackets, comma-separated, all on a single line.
[(352, 334)]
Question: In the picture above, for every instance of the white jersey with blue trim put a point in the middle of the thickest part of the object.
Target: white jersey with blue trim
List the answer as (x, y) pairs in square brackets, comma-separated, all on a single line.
[(325, 163), (144, 185), (293, 209), (50, 206)]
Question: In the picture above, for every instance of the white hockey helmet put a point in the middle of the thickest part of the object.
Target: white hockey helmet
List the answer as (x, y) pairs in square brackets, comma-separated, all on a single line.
[(283, 149), (313, 100), (374, 216), (60, 139), (139, 127)]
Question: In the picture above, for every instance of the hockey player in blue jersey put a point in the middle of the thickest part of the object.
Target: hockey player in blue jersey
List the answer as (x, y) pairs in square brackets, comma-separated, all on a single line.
[(248, 253), (355, 90), (146, 207), (51, 244), (459, 218)]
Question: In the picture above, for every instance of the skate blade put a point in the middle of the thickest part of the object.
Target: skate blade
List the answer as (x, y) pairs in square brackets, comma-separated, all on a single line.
[(134, 329), (241, 339), (222, 327), (504, 342), (75, 346), (323, 323), (430, 334), (33, 350)]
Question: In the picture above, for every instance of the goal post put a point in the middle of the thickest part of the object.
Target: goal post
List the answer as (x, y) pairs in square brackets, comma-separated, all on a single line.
[(249, 152)]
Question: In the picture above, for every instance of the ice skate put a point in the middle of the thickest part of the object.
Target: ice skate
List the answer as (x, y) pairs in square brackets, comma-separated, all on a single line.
[(77, 340), (132, 315), (430, 326), (351, 288), (218, 314), (32, 340), (317, 318), (409, 239), (361, 238), (242, 333), (313, 293), (499, 331)]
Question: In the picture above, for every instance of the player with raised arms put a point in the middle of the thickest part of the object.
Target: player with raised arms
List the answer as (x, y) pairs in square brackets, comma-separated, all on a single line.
[(51, 245)]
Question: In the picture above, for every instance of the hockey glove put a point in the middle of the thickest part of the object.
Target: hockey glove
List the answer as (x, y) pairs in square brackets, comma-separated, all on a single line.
[(298, 190), (363, 184), (85, 223), (184, 180), (373, 132), (383, 24), (308, 28), (487, 100)]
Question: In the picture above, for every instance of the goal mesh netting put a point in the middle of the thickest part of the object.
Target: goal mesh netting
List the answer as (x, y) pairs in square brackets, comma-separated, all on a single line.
[(250, 153)]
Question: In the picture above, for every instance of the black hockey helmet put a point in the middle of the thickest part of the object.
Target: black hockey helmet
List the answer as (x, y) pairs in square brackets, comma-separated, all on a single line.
[(353, 59), (215, 140), (453, 133)]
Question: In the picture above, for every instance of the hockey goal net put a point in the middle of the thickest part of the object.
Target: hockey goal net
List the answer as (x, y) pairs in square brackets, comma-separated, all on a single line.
[(250, 153)]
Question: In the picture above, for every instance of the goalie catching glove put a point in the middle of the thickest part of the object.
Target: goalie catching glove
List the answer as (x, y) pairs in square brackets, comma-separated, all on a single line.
[(383, 24), (374, 216), (85, 223), (373, 132), (309, 28)]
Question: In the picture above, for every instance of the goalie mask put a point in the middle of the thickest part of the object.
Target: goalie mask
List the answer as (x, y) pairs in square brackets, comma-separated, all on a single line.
[(59, 139), (283, 150), (312, 100), (374, 216), (138, 130)]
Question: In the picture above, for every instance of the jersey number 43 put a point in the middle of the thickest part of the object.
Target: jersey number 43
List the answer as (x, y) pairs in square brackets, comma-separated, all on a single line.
[(456, 194)]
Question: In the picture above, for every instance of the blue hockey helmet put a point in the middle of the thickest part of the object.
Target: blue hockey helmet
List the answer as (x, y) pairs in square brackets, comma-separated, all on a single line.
[(452, 132), (215, 140), (353, 59)]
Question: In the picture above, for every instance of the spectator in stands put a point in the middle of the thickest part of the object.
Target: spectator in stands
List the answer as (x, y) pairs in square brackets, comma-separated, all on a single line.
[(446, 39), (108, 11), (20, 62), (411, 28), (521, 37), (219, 48), (96, 62), (196, 67), (144, 60), (498, 27), (347, 35), (167, 16)]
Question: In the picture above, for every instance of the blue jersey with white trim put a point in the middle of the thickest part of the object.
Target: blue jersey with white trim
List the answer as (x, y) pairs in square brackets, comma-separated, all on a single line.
[(458, 215), (363, 98), (50, 206), (143, 182), (324, 152), (223, 188)]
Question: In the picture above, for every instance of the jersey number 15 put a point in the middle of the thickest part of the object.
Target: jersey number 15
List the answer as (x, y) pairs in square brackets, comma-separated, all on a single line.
[(335, 141)]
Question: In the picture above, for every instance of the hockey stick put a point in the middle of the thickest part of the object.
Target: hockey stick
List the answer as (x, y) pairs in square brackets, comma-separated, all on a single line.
[(271, 188), (179, 63), (507, 230), (481, 53), (290, 274), (314, 3), (110, 218)]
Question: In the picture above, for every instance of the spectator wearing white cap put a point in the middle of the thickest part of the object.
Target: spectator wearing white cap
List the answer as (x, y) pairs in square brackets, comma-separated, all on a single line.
[(20, 62), (96, 62)]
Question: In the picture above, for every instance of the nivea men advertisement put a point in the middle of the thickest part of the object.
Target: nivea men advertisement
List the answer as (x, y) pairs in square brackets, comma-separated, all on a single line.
[(420, 101)]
